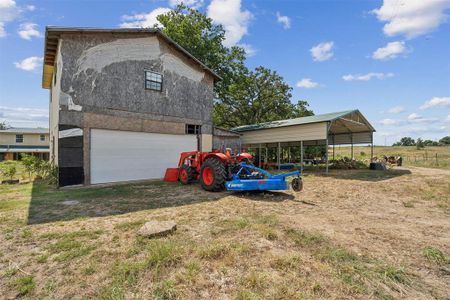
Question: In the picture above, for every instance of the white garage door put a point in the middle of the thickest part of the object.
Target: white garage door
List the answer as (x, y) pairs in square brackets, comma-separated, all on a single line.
[(126, 155)]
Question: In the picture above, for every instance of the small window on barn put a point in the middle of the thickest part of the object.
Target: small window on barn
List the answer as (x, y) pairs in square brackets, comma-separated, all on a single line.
[(19, 138), (153, 81), (193, 129), (42, 137)]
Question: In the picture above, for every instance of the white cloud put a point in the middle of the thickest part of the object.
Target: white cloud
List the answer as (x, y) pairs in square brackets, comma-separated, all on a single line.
[(249, 50), (389, 122), (307, 83), (28, 30), (411, 17), (9, 11), (144, 20), (436, 102), (390, 51), (235, 21), (416, 118), (29, 64), (367, 77), (189, 3), (396, 109), (30, 7), (448, 119), (322, 51), (7, 3), (285, 20), (24, 116)]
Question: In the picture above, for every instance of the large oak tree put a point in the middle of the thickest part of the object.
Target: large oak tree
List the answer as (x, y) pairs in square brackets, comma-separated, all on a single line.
[(243, 96)]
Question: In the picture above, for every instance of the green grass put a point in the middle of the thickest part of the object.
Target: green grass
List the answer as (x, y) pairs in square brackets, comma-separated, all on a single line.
[(435, 255), (24, 285), (287, 262), (213, 250), (166, 290), (304, 238), (68, 249), (88, 270)]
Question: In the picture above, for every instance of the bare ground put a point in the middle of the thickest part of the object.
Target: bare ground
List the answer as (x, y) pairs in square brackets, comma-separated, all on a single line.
[(353, 234)]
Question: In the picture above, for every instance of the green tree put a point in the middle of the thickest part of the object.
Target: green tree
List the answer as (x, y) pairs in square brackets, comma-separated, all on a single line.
[(257, 96), (8, 168), (420, 144), (242, 96), (197, 33), (4, 125), (405, 141), (430, 143), (445, 140), (28, 163)]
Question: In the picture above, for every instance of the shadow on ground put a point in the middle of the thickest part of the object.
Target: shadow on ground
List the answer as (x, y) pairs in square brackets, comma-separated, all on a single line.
[(367, 175), (50, 205), (269, 196)]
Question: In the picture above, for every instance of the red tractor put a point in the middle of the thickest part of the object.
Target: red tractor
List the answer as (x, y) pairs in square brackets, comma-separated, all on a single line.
[(212, 169)]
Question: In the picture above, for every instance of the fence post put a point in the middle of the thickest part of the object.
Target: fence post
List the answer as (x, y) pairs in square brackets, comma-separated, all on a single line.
[(437, 163)]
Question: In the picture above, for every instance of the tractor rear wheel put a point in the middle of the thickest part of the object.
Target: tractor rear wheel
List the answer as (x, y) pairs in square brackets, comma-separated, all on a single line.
[(186, 174), (213, 175)]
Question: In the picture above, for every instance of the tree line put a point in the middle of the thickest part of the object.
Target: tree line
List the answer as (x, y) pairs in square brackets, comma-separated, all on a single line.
[(420, 143)]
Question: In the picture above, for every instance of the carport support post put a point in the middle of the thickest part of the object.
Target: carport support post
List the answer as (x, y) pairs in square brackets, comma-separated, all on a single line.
[(371, 147), (289, 154), (333, 147), (259, 156), (278, 156), (351, 139), (326, 153), (301, 157)]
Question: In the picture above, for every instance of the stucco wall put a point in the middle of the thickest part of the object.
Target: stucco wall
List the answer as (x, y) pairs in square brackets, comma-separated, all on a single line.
[(104, 74)]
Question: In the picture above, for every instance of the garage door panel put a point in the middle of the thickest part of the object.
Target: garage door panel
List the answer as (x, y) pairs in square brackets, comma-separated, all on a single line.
[(125, 155)]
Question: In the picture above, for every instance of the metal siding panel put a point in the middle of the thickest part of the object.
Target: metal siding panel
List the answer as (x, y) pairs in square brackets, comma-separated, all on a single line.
[(126, 155), (306, 132)]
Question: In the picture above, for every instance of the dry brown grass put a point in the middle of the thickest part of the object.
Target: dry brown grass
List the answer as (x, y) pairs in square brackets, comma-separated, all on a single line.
[(348, 235)]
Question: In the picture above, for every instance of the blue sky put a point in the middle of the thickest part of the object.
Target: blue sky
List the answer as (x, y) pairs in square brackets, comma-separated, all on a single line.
[(390, 59)]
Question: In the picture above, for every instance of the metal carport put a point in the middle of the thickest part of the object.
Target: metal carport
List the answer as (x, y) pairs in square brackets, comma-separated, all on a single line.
[(339, 128)]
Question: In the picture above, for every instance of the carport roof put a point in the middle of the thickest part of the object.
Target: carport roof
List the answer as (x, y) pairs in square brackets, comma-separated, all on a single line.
[(301, 121)]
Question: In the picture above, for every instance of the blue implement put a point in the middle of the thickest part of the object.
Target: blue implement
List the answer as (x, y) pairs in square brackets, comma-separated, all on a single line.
[(251, 178)]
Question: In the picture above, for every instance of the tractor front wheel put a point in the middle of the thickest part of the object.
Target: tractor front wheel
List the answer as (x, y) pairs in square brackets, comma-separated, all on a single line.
[(213, 175), (186, 174)]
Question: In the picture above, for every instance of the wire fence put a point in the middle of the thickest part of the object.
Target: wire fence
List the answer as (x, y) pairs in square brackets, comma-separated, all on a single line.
[(428, 159)]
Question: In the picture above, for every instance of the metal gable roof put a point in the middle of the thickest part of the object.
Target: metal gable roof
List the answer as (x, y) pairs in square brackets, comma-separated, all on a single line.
[(297, 121)]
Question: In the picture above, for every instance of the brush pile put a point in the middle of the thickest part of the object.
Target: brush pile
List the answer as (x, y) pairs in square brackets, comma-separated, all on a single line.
[(347, 164)]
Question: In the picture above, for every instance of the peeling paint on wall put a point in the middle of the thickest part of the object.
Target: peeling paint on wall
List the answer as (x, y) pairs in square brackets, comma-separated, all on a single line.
[(66, 99), (102, 55), (176, 65), (137, 49)]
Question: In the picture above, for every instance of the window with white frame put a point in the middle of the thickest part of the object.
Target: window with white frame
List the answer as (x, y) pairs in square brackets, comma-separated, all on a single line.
[(19, 138), (153, 81)]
